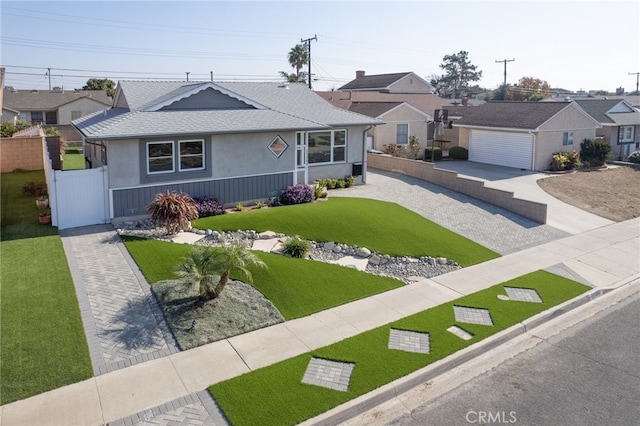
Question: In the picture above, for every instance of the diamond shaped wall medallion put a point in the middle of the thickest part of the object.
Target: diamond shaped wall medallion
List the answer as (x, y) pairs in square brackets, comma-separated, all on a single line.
[(278, 146)]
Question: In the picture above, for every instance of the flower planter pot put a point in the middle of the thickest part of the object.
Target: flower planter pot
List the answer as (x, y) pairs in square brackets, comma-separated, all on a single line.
[(44, 218), (42, 203)]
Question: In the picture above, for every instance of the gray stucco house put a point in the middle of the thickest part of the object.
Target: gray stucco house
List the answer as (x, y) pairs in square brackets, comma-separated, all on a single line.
[(236, 141)]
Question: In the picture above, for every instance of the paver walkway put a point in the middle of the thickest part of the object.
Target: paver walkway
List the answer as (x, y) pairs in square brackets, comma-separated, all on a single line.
[(122, 321), (497, 229)]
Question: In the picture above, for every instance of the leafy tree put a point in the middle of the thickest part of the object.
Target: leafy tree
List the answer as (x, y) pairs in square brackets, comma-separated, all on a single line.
[(528, 89), (298, 57), (459, 72), (109, 86), (203, 264)]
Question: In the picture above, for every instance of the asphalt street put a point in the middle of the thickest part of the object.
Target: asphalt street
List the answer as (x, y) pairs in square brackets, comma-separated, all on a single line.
[(587, 375)]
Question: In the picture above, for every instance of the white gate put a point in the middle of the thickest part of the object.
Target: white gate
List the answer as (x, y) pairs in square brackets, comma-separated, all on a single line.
[(79, 197)]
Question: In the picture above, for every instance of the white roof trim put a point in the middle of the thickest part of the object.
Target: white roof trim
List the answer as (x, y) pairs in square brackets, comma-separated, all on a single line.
[(411, 74), (199, 88)]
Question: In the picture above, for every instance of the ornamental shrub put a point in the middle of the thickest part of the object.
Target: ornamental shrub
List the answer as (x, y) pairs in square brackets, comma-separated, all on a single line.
[(208, 206), (349, 181), (297, 194), (173, 210), (594, 153), (634, 157), (565, 161), (437, 154), (296, 247), (458, 153)]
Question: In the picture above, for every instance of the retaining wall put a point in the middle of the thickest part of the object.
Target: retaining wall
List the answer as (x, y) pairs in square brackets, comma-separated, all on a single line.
[(450, 180), (21, 153)]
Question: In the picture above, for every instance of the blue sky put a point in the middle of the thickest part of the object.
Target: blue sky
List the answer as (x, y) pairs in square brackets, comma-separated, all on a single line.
[(571, 44)]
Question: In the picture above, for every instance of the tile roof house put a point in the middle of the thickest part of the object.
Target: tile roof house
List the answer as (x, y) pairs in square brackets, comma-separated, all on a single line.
[(54, 107), (620, 123), (235, 141), (523, 134)]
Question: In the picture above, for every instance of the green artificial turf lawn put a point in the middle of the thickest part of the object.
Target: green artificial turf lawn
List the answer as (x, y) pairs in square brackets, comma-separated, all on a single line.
[(297, 287), (73, 159), (43, 344), (380, 226), (279, 397)]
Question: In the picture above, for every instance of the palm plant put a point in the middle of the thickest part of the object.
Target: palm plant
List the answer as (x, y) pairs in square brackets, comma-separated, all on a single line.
[(203, 264), (298, 57)]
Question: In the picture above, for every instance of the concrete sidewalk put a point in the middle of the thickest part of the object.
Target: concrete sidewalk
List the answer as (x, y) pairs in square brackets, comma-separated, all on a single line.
[(600, 257)]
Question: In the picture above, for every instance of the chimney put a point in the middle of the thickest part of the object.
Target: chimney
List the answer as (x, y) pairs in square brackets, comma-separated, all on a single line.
[(465, 101), (359, 74)]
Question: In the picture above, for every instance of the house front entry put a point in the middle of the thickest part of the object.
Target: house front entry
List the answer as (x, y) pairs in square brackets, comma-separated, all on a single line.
[(302, 161)]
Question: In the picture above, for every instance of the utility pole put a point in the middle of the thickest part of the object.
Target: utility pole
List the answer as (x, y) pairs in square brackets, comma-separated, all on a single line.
[(211, 75), (307, 45), (188, 76), (637, 74), (504, 85), (49, 74)]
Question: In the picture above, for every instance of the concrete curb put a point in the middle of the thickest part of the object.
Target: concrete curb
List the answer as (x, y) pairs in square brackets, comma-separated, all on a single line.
[(605, 298)]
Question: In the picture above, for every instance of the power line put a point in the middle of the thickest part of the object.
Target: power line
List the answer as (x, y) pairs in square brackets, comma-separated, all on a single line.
[(307, 45), (505, 75), (637, 74)]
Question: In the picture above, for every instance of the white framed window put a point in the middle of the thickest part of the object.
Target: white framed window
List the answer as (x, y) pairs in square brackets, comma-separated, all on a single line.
[(402, 134), (191, 155), (301, 149), (567, 138), (160, 157), (625, 134), (328, 146)]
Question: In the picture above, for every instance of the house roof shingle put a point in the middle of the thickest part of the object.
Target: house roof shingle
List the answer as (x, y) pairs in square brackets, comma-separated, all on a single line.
[(374, 82), (599, 110), (27, 100), (373, 109), (515, 115), (292, 107)]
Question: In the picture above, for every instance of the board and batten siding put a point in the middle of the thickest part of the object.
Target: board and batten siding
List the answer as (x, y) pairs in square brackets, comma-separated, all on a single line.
[(134, 201), (508, 149)]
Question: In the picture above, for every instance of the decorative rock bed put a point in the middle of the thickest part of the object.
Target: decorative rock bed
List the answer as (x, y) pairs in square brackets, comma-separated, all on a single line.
[(406, 269)]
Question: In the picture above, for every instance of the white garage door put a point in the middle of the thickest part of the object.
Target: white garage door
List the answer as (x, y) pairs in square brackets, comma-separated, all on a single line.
[(501, 148)]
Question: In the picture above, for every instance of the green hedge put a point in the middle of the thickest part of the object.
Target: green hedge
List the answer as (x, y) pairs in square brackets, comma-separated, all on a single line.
[(437, 154), (458, 153)]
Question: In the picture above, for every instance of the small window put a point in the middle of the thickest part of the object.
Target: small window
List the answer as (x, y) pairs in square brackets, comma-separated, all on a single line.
[(37, 117), (191, 155), (402, 134), (339, 145), (51, 117), (567, 138), (160, 157)]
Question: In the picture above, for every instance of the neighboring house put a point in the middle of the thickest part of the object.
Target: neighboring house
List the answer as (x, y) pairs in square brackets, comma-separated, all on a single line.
[(9, 115), (402, 121), (404, 82), (235, 141), (406, 103), (620, 123), (55, 107), (523, 135)]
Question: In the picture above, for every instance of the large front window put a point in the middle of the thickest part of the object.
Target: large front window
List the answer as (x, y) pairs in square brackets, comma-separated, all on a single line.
[(191, 155), (160, 157), (327, 146)]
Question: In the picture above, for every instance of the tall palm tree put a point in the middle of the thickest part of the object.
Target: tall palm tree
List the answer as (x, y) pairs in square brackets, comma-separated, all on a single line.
[(203, 264), (298, 57)]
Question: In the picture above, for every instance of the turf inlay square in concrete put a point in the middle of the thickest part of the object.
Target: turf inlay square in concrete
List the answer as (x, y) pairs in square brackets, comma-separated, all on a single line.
[(328, 374), (409, 341), (460, 332), (472, 315), (523, 294)]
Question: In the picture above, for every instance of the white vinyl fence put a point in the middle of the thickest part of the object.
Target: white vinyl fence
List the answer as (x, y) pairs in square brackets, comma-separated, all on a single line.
[(76, 197)]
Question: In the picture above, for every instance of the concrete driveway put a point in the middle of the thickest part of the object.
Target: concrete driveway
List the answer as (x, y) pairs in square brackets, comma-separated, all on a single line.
[(524, 185)]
